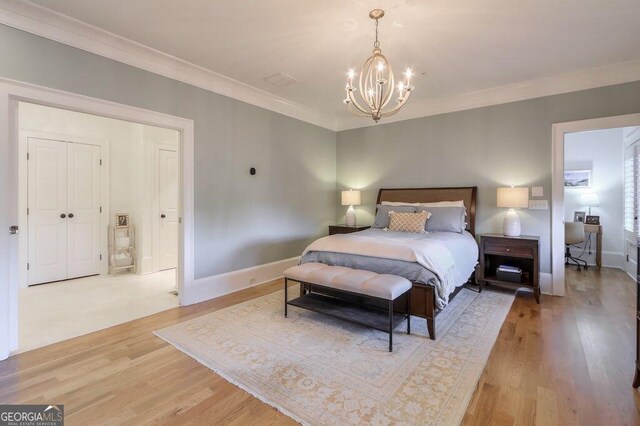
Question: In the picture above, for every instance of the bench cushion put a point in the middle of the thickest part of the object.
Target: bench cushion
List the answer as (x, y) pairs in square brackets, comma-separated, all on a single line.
[(383, 286)]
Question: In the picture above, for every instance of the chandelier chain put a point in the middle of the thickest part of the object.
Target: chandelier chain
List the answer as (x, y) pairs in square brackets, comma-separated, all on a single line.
[(376, 44)]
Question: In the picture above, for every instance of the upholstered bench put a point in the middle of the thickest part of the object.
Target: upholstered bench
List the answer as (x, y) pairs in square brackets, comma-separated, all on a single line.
[(341, 280)]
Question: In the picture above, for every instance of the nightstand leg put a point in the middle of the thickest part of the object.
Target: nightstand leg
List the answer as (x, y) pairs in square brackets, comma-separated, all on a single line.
[(536, 292)]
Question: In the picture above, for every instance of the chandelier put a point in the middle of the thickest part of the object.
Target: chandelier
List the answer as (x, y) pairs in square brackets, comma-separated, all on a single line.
[(377, 84)]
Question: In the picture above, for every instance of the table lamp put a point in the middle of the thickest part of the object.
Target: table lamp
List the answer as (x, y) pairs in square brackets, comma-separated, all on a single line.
[(351, 198), (590, 199), (512, 198)]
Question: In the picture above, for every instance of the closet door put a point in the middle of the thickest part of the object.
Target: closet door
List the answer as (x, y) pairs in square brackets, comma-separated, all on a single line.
[(168, 205), (83, 210), (47, 201)]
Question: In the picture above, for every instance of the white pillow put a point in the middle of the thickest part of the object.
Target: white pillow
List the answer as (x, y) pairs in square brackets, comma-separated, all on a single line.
[(395, 203), (459, 203)]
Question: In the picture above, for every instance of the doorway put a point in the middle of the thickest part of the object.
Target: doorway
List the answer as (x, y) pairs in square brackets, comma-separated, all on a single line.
[(11, 92), (561, 133), (91, 185)]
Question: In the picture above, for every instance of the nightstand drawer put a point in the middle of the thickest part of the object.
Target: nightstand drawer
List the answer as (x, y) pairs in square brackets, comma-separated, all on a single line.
[(511, 250)]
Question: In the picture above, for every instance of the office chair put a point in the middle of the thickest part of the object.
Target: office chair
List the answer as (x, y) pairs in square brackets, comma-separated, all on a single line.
[(573, 234)]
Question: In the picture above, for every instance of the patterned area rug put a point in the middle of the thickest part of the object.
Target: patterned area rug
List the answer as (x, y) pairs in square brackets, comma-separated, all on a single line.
[(324, 371)]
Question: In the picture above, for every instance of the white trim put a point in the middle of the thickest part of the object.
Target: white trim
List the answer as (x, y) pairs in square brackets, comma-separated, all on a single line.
[(219, 285), (624, 72), (23, 136), (546, 283), (12, 91), (39, 20), (557, 183), (44, 22)]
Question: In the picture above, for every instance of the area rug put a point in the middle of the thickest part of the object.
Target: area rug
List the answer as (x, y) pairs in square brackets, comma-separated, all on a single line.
[(323, 371)]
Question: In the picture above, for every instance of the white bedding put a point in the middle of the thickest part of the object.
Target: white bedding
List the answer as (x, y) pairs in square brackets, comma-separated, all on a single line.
[(449, 257)]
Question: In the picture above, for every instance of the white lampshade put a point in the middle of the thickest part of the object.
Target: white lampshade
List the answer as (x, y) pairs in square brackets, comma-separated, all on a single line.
[(351, 198), (590, 199), (513, 198)]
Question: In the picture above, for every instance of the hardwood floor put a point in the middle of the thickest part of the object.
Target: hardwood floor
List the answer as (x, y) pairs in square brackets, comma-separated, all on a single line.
[(566, 361), (569, 360)]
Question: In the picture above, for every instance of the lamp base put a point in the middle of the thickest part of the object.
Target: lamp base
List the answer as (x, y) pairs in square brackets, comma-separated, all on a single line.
[(351, 216), (511, 225)]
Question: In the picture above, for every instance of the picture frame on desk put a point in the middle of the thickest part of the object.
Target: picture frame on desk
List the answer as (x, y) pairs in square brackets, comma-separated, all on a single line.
[(579, 216), (592, 220)]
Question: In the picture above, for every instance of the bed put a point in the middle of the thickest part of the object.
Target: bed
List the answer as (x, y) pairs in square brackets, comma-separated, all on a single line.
[(437, 263)]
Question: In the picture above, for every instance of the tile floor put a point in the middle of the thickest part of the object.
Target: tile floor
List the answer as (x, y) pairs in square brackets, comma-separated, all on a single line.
[(54, 312)]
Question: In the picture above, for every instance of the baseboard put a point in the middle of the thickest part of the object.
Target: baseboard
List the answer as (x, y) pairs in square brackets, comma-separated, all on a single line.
[(609, 259), (219, 285), (546, 283)]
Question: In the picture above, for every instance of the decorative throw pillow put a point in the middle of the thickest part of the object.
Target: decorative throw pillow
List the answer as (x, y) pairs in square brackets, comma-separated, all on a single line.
[(382, 214), (408, 222)]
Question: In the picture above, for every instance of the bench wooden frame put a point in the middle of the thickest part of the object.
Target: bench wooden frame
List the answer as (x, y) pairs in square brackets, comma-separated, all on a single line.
[(359, 313)]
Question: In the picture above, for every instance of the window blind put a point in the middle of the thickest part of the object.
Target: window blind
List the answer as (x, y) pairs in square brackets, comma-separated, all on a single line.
[(631, 187)]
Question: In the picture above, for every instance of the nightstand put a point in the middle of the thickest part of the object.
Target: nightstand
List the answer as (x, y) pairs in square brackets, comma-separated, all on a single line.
[(345, 229), (521, 252)]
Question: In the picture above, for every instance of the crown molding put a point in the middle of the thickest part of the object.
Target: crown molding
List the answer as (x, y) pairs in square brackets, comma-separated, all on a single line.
[(624, 72), (30, 17), (44, 22)]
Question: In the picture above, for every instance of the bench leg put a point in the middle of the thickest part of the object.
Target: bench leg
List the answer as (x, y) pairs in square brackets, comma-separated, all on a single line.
[(391, 326), (286, 285), (409, 312)]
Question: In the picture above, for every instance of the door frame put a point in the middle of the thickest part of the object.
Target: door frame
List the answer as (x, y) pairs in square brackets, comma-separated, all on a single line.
[(23, 186), (12, 92), (155, 209), (559, 130)]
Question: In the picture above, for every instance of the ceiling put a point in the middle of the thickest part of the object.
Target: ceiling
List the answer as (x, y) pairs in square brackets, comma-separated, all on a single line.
[(455, 47)]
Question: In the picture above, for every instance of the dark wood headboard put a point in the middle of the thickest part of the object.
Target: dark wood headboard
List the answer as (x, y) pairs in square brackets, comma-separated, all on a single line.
[(430, 195)]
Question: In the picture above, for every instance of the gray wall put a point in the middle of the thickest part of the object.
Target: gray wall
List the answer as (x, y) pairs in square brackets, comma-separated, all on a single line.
[(240, 220), (488, 147)]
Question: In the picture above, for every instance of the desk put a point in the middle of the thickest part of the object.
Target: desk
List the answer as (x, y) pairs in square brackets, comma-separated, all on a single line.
[(596, 229)]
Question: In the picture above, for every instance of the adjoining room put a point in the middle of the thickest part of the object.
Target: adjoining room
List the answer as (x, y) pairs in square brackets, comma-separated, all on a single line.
[(99, 198), (601, 199)]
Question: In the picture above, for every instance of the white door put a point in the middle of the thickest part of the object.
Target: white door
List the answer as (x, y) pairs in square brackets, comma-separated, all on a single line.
[(47, 210), (168, 207), (63, 210), (83, 206)]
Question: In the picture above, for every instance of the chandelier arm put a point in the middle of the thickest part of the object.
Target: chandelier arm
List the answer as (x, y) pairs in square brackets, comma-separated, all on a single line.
[(355, 111), (366, 91), (399, 105), (391, 87), (356, 104), (362, 81)]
